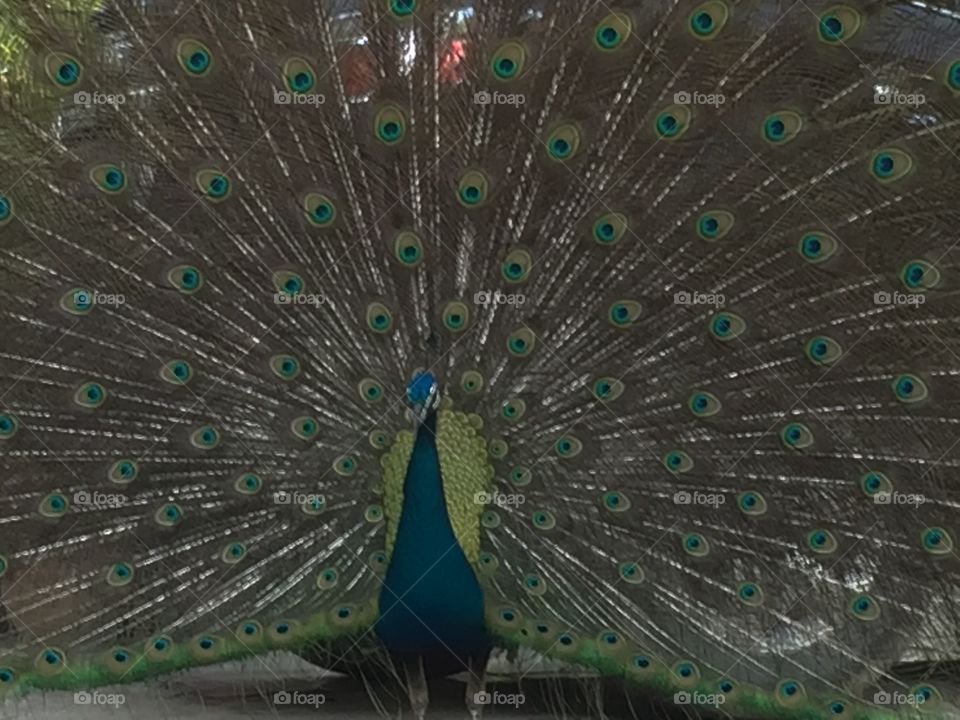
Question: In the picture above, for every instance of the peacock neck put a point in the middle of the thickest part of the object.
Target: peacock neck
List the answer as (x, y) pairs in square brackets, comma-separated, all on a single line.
[(431, 602)]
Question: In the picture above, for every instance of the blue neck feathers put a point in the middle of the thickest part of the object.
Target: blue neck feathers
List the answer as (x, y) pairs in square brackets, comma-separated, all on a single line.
[(431, 603)]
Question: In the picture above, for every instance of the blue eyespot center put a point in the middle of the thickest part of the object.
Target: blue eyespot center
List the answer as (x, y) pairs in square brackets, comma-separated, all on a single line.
[(883, 165), (702, 22), (831, 28), (198, 61), (68, 73)]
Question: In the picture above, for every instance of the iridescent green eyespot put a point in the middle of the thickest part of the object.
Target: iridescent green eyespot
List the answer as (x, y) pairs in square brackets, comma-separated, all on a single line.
[(520, 476), (214, 185), (875, 483), (822, 350), (370, 390), (513, 409), (408, 249), (563, 142), (63, 69), (816, 247), (473, 188), (508, 60), (623, 313), (714, 225), (751, 503), (6, 210), (379, 318), (937, 541), (54, 505), (120, 574), (631, 572), (305, 427), (248, 484), (790, 693), (401, 8), (838, 24), (298, 75), (390, 125), (750, 594), (708, 19), (610, 229), (516, 266), (205, 437), (613, 31), (781, 127), (456, 316), (285, 367), (695, 544), (953, 76), (909, 389), (90, 395), (471, 382), (677, 461), (194, 57), (703, 404), (521, 342), (568, 447), (327, 579), (727, 326), (123, 472), (890, 164), (176, 372), (796, 436), (607, 389), (543, 519), (821, 541), (168, 515), (108, 178), (320, 209), (288, 283), (185, 278), (8, 426), (616, 502), (864, 607), (920, 275), (672, 122)]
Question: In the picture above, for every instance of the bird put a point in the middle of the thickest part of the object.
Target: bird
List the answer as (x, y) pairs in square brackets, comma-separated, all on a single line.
[(625, 334)]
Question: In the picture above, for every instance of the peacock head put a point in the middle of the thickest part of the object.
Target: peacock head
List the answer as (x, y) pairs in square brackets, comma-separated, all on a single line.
[(423, 394)]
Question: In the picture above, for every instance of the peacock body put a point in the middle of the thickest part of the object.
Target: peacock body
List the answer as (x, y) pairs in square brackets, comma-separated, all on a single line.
[(406, 329)]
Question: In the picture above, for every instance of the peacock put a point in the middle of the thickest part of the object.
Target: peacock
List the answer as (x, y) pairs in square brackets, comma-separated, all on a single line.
[(409, 331)]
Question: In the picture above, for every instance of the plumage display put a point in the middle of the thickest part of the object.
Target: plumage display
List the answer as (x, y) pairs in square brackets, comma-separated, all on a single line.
[(400, 331)]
